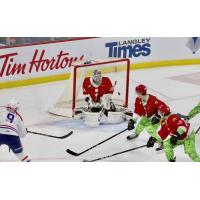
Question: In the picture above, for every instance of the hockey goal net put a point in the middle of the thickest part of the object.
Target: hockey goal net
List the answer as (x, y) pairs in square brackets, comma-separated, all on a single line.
[(72, 97)]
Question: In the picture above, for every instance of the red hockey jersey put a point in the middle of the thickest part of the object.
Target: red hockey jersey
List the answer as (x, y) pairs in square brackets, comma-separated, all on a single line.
[(170, 125), (96, 92), (148, 109)]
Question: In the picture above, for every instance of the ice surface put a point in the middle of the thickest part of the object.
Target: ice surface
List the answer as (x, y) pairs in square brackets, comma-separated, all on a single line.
[(35, 100)]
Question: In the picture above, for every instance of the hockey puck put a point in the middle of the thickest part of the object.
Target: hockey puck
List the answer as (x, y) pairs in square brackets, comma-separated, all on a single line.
[(118, 93)]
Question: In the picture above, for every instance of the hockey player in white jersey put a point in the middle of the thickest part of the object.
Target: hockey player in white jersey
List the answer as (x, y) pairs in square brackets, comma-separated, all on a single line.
[(12, 129)]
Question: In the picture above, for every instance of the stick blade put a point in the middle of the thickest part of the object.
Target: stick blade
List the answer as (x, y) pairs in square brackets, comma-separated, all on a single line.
[(72, 152), (85, 160), (65, 136)]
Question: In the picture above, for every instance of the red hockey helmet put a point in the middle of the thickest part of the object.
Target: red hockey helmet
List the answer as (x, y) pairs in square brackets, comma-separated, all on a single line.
[(141, 89), (164, 110)]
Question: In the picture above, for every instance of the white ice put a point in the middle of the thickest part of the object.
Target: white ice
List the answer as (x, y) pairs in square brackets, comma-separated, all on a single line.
[(35, 100)]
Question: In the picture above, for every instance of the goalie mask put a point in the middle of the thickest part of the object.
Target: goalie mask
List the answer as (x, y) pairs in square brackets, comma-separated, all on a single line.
[(13, 105), (96, 77)]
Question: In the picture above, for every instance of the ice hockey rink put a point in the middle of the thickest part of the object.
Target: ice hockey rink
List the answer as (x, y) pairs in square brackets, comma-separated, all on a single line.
[(179, 86)]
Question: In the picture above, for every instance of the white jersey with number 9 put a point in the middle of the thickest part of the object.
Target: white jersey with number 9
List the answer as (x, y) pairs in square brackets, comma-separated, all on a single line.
[(11, 123)]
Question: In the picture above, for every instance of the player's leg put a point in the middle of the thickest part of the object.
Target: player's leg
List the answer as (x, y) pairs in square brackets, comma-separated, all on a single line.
[(152, 130), (195, 111), (140, 125), (169, 151), (15, 145), (190, 147)]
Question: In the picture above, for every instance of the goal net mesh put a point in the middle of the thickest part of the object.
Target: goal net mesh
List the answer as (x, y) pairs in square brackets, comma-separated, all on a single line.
[(72, 97)]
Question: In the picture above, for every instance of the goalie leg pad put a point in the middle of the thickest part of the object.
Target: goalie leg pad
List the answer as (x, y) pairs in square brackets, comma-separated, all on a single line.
[(91, 119), (116, 117)]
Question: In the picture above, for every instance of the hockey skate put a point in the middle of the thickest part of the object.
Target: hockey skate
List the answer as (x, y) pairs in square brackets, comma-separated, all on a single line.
[(132, 136), (173, 160), (160, 147)]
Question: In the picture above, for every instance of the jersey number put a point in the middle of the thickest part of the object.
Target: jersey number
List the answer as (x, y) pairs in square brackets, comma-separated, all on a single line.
[(10, 117)]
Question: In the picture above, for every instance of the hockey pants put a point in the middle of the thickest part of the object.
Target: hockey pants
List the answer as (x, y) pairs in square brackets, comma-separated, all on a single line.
[(145, 123)]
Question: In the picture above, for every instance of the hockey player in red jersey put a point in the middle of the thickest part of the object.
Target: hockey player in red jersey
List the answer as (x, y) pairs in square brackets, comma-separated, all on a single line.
[(145, 112), (101, 108), (98, 90), (12, 129), (174, 132)]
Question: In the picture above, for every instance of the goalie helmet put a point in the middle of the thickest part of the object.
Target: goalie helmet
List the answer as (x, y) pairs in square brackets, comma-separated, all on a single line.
[(96, 77), (13, 104), (164, 110), (141, 90)]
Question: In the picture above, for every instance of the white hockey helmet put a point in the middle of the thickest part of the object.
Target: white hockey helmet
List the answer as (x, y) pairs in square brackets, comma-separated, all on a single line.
[(96, 76), (13, 104)]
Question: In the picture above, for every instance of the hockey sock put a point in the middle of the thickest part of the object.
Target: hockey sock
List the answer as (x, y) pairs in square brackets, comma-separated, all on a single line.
[(23, 157)]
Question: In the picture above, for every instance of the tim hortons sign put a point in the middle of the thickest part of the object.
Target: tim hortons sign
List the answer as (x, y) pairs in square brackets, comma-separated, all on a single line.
[(37, 64)]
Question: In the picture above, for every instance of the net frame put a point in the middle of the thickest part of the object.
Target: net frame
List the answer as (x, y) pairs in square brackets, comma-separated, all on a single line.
[(76, 67), (67, 101)]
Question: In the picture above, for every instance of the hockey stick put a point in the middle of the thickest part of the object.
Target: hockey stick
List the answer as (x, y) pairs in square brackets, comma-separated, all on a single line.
[(186, 117), (121, 152), (103, 110), (197, 130), (57, 137), (78, 154)]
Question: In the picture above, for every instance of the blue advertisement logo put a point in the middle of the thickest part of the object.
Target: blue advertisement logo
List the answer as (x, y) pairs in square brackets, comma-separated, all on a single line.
[(129, 48), (193, 44)]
